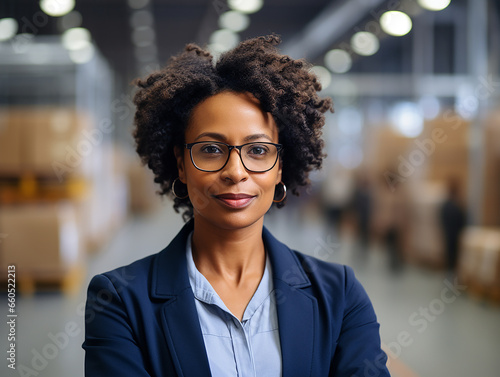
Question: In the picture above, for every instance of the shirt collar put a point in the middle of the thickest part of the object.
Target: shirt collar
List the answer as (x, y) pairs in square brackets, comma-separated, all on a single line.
[(204, 292)]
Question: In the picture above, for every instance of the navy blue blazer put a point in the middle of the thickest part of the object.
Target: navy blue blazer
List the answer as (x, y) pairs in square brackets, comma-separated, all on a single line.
[(141, 319)]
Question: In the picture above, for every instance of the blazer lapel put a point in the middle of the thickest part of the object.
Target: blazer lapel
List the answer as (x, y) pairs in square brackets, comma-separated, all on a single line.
[(183, 333), (179, 316), (297, 310)]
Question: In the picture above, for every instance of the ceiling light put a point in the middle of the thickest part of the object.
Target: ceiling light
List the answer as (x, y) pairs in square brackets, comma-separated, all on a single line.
[(234, 21), (83, 55), (338, 61), (224, 38), (76, 38), (365, 43), (323, 74), (396, 23), (246, 6), (57, 8), (8, 28), (407, 119), (434, 4)]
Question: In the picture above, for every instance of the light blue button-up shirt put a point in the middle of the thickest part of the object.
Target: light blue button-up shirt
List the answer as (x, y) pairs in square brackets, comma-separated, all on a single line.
[(250, 348)]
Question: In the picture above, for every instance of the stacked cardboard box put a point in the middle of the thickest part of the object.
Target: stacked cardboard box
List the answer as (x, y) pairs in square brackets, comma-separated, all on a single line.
[(10, 145), (47, 150), (143, 197), (491, 198), (40, 237), (387, 151), (479, 263), (421, 167), (448, 158), (49, 142)]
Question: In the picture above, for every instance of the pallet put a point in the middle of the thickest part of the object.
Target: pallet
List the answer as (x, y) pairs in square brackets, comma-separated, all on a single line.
[(67, 282), (488, 295), (30, 188)]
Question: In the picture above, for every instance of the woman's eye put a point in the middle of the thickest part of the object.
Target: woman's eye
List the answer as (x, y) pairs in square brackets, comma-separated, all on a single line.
[(211, 149), (258, 150)]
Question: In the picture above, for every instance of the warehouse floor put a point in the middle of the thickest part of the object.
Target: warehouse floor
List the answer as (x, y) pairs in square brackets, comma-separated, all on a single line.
[(432, 334)]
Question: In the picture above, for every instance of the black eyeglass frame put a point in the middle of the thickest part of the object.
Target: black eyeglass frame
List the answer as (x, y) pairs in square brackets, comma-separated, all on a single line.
[(189, 146)]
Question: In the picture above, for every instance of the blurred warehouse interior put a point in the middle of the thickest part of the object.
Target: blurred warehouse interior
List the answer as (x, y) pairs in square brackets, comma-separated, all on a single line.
[(413, 166)]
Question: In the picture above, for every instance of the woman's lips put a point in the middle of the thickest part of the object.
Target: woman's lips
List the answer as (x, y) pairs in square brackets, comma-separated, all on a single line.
[(235, 200)]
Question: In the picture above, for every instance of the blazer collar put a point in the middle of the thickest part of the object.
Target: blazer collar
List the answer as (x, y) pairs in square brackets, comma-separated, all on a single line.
[(297, 310), (286, 266), (170, 276)]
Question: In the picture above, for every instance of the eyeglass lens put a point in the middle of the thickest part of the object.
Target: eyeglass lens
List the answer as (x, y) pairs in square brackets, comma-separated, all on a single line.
[(212, 156)]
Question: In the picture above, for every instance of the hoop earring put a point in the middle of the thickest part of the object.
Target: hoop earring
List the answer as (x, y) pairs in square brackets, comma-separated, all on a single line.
[(283, 195), (173, 190)]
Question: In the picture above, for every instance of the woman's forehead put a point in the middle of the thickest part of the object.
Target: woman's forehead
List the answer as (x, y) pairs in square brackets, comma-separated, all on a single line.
[(232, 114)]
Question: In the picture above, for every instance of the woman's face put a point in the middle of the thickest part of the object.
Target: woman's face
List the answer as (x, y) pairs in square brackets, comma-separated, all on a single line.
[(231, 198)]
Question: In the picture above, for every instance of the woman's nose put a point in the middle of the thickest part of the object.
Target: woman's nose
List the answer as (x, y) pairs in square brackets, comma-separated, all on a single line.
[(234, 169)]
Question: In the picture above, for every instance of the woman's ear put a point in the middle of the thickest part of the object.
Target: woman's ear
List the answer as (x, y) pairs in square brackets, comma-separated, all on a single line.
[(179, 156), (280, 170)]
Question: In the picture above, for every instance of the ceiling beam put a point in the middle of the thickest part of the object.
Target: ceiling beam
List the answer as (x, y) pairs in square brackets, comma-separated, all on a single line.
[(404, 86), (329, 26)]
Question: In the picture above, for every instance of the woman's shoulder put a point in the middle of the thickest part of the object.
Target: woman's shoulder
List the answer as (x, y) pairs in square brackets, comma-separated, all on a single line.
[(335, 285), (334, 282), (134, 276), (297, 267), (334, 274)]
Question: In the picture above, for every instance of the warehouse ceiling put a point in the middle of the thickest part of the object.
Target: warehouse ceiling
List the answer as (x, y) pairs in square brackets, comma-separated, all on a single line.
[(177, 22)]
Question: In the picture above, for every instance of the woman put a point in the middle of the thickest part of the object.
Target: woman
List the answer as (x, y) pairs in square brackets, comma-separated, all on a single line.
[(226, 298)]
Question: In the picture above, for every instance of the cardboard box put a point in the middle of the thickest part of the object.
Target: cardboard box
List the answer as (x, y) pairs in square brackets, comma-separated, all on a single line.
[(51, 142), (491, 197), (385, 148), (479, 261), (40, 237), (426, 240), (143, 197), (57, 143), (10, 145)]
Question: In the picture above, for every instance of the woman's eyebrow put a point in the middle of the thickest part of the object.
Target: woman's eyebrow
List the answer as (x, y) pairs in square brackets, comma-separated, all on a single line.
[(258, 136), (218, 136), (213, 135)]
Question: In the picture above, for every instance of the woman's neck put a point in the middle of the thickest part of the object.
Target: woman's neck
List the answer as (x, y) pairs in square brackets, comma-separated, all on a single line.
[(232, 255)]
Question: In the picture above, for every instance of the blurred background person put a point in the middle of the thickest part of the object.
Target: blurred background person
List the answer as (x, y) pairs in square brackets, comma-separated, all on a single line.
[(453, 220), (336, 195), (362, 203), (389, 219)]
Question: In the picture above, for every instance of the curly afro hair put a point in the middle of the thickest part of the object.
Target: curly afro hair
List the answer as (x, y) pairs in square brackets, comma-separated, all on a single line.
[(285, 88)]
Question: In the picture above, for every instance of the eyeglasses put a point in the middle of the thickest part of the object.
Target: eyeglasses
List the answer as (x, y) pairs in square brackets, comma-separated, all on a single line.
[(212, 156)]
